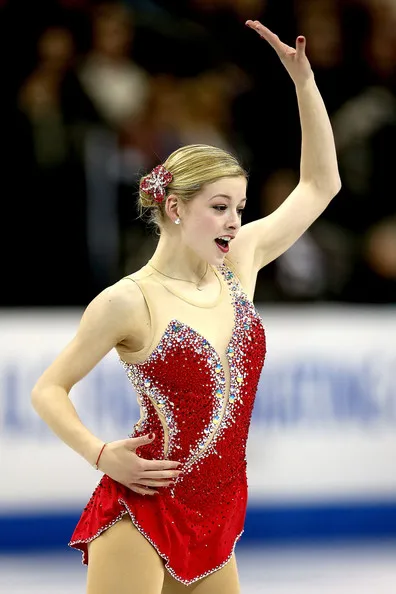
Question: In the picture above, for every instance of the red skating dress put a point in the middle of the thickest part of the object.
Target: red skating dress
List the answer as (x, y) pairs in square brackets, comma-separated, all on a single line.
[(199, 405)]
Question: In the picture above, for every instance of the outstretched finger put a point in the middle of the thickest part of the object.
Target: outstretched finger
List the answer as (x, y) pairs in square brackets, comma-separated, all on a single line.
[(268, 35)]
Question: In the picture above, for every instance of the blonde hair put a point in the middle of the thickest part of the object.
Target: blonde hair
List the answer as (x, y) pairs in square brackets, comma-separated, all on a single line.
[(192, 167)]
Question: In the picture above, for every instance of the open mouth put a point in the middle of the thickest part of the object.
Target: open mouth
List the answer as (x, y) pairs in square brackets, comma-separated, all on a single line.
[(223, 244)]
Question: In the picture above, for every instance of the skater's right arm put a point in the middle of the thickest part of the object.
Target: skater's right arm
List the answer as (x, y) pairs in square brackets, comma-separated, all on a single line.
[(108, 320)]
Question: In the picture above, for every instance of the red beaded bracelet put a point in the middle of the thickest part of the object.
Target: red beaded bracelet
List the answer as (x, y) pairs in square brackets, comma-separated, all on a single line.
[(100, 453)]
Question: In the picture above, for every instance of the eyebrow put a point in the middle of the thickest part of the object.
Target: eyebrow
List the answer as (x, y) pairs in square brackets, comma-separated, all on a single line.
[(227, 197)]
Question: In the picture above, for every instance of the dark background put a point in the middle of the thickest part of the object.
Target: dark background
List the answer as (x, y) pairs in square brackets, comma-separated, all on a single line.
[(96, 94)]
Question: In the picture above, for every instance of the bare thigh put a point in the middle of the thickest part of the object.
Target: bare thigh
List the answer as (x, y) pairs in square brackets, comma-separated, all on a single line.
[(223, 581), (122, 561)]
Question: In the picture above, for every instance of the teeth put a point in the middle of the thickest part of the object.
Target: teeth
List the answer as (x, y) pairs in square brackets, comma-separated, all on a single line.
[(226, 238)]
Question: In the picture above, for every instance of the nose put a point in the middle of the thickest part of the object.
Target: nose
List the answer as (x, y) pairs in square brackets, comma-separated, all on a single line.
[(234, 221)]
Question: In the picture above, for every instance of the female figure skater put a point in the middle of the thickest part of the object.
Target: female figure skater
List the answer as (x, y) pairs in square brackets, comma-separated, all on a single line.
[(171, 504)]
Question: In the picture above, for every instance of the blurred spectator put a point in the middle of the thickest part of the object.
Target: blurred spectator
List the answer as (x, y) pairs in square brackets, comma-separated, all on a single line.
[(52, 120), (53, 101), (119, 89), (116, 84), (381, 249), (180, 111), (365, 124), (157, 131), (373, 278), (322, 23), (211, 33), (207, 115), (316, 267), (365, 131)]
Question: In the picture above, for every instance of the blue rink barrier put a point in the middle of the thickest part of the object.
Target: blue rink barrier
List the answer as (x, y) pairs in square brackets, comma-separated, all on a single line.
[(323, 429), (264, 526)]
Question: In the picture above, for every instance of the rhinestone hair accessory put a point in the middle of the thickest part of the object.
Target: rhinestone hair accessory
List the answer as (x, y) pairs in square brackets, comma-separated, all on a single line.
[(156, 182)]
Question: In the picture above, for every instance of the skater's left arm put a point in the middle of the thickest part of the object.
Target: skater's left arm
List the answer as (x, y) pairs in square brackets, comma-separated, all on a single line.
[(269, 237)]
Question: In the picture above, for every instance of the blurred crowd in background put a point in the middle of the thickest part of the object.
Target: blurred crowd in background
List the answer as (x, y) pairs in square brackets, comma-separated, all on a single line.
[(95, 94)]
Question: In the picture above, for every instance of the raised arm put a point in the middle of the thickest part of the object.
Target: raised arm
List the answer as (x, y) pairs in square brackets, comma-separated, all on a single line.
[(267, 238)]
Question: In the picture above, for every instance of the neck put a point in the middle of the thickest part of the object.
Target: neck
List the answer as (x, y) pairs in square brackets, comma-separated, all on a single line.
[(169, 258)]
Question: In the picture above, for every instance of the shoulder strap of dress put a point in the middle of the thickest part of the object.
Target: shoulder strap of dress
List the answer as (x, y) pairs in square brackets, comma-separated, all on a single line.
[(143, 292), (231, 277), (146, 300)]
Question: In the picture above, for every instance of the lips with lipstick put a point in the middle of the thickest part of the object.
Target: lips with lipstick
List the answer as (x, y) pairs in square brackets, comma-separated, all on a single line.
[(222, 242)]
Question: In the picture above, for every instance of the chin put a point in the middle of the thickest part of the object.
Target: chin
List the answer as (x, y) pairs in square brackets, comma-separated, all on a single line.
[(217, 260), (213, 257)]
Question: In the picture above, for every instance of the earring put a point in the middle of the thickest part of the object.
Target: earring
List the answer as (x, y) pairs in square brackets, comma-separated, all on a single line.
[(177, 221)]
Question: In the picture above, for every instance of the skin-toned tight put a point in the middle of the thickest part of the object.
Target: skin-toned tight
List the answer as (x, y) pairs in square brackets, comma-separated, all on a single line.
[(122, 561)]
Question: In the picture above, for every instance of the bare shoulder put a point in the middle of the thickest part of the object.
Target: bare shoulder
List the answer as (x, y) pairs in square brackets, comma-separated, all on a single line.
[(114, 316), (119, 307), (133, 312)]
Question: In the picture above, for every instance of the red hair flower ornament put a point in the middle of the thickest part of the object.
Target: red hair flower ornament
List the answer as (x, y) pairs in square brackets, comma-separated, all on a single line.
[(156, 182)]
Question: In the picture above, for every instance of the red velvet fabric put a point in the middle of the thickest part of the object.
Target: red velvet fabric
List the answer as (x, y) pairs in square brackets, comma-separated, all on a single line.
[(195, 524)]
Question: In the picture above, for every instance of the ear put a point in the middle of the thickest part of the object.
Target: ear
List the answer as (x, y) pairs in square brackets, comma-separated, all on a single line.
[(172, 207)]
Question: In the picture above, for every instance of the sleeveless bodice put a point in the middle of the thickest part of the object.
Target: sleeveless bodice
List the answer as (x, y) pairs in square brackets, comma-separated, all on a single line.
[(185, 391), (198, 402)]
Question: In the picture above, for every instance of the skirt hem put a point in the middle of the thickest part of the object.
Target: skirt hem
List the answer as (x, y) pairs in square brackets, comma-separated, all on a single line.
[(74, 544)]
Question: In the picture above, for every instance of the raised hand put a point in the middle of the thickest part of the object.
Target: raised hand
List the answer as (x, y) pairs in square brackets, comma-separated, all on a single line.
[(120, 462), (294, 59)]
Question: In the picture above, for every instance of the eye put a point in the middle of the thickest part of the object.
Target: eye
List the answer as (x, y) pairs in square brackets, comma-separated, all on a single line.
[(240, 211), (220, 207)]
